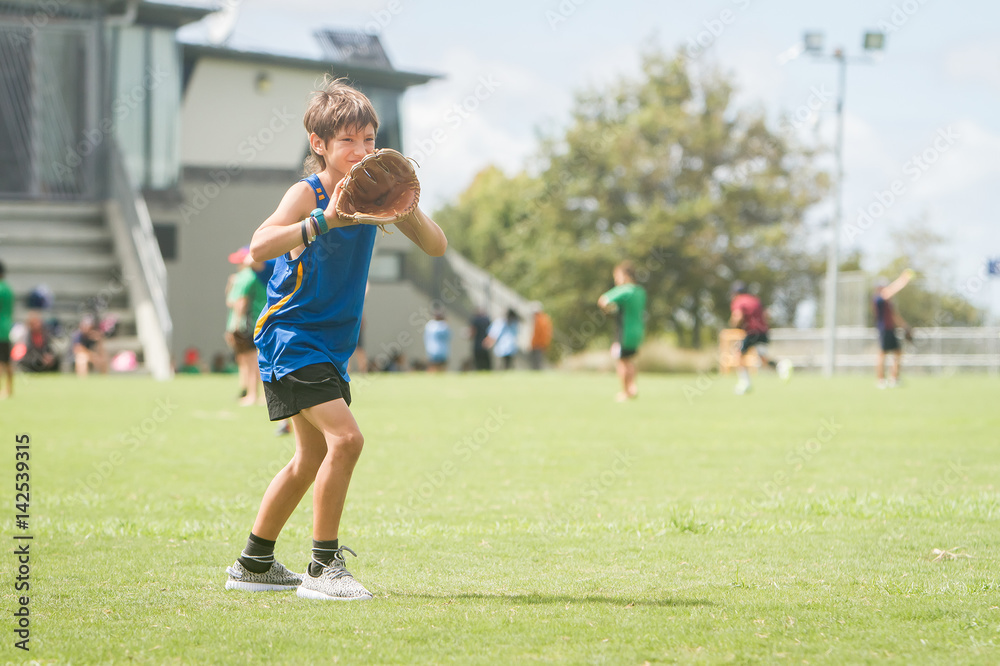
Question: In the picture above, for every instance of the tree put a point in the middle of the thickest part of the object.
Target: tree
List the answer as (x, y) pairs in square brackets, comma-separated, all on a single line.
[(666, 172), (924, 302)]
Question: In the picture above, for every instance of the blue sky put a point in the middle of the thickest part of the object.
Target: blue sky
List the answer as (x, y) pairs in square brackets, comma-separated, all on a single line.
[(511, 69)]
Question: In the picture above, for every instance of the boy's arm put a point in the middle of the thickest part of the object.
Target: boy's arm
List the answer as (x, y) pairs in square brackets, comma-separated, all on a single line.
[(897, 285), (282, 231), (424, 232), (607, 301)]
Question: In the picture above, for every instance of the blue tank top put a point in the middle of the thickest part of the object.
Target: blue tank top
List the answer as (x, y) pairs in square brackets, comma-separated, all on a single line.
[(314, 302)]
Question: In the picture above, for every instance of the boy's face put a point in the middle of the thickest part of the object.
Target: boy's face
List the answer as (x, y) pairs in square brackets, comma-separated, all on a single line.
[(348, 147)]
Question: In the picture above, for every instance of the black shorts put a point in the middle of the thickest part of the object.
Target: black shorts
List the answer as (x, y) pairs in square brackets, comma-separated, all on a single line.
[(304, 388), (627, 352), (242, 343), (752, 340), (5, 351), (888, 340)]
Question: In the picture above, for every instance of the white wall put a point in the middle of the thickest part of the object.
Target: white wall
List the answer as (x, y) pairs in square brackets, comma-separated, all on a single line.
[(258, 127)]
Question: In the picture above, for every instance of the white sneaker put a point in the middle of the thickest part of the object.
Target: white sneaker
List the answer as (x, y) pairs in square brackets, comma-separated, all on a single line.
[(334, 583), (275, 579), (741, 387), (785, 368)]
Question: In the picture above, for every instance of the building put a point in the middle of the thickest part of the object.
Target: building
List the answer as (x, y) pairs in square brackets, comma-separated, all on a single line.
[(142, 142)]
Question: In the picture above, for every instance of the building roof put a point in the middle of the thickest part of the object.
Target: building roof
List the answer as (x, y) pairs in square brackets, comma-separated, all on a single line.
[(276, 38), (167, 13)]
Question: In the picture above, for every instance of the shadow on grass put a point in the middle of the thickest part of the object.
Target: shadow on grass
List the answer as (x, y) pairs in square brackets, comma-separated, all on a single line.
[(555, 599)]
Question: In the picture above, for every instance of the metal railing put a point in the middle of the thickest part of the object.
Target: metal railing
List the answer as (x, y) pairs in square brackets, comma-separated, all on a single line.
[(932, 348), (145, 274)]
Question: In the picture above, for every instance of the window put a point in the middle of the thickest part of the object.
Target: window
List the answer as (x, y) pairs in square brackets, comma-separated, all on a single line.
[(166, 238), (146, 107)]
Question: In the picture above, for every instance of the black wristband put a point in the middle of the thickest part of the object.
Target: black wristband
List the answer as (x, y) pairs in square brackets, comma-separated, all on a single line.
[(305, 233)]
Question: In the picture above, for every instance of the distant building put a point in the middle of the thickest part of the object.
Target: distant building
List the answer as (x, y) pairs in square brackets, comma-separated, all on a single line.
[(142, 142)]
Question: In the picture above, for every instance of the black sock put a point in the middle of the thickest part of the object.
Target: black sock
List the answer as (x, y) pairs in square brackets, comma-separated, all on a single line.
[(323, 553), (258, 556)]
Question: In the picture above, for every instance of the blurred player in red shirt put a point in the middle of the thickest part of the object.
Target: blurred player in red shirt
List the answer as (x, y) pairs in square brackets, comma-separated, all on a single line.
[(748, 314)]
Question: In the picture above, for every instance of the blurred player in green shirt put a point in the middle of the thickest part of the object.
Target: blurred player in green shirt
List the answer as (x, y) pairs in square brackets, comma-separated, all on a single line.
[(627, 301)]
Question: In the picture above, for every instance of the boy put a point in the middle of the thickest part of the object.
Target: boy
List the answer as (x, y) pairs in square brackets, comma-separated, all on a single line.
[(541, 336), (886, 321), (501, 338), (306, 335), (437, 342), (628, 300), (748, 313)]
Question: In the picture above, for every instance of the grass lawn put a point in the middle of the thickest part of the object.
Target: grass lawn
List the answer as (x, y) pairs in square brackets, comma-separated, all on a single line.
[(522, 518)]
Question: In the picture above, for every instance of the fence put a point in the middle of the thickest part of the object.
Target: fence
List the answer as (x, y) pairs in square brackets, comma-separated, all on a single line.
[(932, 349), (48, 112), (145, 273)]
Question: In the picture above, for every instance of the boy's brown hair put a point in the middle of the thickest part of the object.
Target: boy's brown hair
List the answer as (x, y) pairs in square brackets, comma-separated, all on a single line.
[(332, 108), (628, 269)]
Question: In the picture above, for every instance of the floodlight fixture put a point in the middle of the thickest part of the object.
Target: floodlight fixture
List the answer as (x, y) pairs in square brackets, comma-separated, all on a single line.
[(874, 41), (813, 42)]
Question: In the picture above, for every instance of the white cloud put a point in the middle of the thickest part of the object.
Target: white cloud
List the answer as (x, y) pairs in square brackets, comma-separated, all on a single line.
[(482, 113), (966, 166)]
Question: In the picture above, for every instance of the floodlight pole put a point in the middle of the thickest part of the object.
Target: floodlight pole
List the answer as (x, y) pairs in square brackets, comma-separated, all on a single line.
[(833, 249)]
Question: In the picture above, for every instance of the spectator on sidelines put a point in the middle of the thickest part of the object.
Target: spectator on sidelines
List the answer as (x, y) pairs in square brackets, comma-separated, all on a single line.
[(479, 327), (6, 323), (502, 338), (437, 342), (541, 336), (192, 362), (886, 321), (88, 348), (39, 356)]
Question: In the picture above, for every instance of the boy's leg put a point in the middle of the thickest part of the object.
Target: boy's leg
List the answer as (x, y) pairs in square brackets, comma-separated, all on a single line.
[(897, 357), (334, 421), (630, 372), (327, 577), (7, 369), (99, 357), (880, 366), (82, 362), (621, 367), (290, 484), (251, 372), (241, 368), (256, 569), (743, 383)]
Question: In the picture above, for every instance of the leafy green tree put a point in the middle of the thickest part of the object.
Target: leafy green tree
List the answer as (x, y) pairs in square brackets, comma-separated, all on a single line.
[(666, 172), (925, 302)]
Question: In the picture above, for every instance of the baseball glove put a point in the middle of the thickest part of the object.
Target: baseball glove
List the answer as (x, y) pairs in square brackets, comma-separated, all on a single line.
[(380, 189)]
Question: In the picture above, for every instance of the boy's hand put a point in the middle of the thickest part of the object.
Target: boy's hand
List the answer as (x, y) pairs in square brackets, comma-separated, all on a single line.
[(380, 189), (330, 213)]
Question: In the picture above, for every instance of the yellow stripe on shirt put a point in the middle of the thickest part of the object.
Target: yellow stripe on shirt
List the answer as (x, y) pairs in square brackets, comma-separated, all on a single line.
[(277, 306)]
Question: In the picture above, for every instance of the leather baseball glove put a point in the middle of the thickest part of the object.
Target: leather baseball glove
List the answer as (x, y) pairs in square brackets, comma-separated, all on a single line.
[(380, 189)]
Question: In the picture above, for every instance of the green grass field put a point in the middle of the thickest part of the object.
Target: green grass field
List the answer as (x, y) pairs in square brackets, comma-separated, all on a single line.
[(522, 518)]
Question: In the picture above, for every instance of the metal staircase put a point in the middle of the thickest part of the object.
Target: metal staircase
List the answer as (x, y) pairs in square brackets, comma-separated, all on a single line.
[(68, 248)]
